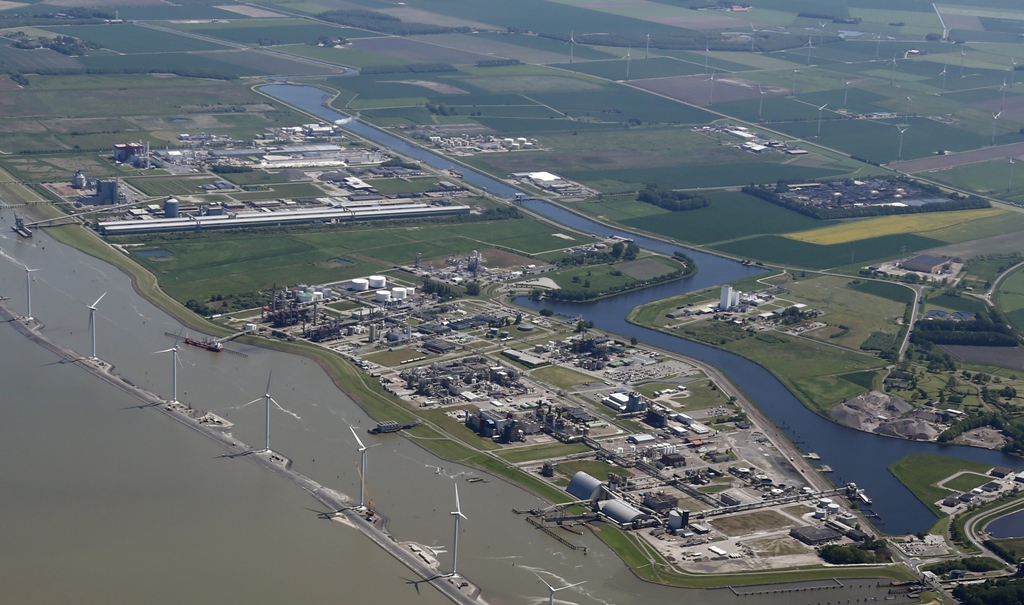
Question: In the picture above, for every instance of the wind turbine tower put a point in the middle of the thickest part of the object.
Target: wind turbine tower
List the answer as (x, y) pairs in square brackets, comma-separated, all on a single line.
[(362, 478), (899, 156), (820, 109), (28, 291), (572, 45), (174, 368), (457, 513), (552, 590), (267, 399), (92, 323)]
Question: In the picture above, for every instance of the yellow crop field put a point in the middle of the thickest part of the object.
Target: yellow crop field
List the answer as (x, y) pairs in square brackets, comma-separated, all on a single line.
[(890, 225)]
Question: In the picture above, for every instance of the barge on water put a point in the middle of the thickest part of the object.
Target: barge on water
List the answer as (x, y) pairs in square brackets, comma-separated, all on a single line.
[(210, 345), (20, 228), (390, 426)]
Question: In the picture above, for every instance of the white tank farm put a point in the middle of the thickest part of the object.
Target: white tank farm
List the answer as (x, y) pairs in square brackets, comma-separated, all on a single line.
[(383, 296), (360, 284), (378, 281), (398, 293)]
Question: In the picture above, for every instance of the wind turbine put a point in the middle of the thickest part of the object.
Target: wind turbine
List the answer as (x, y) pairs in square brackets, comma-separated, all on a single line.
[(572, 45), (752, 37), (760, 102), (822, 24), (1009, 185), (906, 114), (28, 291), (1002, 89), (552, 590), (820, 109), (647, 51), (92, 323), (963, 53), (1013, 70), (942, 93), (892, 78), (362, 470), (795, 72), (267, 399), (174, 368), (995, 117), (809, 47), (878, 44), (846, 93), (711, 95), (457, 513), (902, 130), (628, 60)]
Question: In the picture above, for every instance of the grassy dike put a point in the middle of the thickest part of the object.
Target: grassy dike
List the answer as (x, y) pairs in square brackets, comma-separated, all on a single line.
[(643, 560)]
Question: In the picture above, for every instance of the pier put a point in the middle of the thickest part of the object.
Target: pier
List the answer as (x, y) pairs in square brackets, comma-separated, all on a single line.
[(342, 507)]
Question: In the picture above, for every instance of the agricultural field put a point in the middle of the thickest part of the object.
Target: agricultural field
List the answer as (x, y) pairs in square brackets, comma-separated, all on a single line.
[(889, 225), (170, 185), (1010, 298), (131, 39), (233, 262), (922, 473)]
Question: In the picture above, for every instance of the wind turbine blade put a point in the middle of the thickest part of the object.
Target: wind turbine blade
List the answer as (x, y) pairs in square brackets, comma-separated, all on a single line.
[(358, 440), (164, 351), (268, 383), (458, 507), (573, 585), (550, 587), (93, 305)]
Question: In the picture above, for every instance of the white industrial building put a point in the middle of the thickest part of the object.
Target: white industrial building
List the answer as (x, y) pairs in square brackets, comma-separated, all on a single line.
[(730, 298)]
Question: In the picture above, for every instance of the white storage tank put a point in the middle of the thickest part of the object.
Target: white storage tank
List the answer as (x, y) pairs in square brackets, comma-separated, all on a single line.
[(328, 293), (378, 281), (824, 502), (360, 284), (675, 520), (383, 296), (409, 290), (833, 509), (250, 328), (318, 296), (398, 293)]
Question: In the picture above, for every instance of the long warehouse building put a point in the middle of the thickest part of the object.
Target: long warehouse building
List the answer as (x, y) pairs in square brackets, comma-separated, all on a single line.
[(264, 219)]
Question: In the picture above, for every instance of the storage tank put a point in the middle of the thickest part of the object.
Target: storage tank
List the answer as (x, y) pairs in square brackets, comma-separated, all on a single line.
[(304, 297), (398, 293), (383, 296), (360, 284), (409, 290), (250, 327), (824, 502), (675, 520), (318, 296), (171, 208), (833, 509), (328, 292), (378, 281)]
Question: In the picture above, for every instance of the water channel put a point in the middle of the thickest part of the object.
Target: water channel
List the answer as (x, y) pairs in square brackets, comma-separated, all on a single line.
[(855, 456)]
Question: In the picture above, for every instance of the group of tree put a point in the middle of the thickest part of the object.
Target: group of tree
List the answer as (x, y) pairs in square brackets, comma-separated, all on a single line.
[(385, 23), (868, 551), (772, 195), (441, 109), (65, 45), (669, 199), (442, 290), (764, 41), (410, 68), (990, 331), (968, 564), (184, 72), (991, 592), (229, 169), (329, 41)]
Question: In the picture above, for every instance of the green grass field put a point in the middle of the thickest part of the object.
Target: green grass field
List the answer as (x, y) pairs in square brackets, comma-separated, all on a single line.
[(921, 472), (1010, 298), (128, 38), (785, 251)]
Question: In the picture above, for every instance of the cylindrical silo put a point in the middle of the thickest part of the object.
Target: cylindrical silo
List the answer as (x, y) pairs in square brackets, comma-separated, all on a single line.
[(675, 520), (171, 208)]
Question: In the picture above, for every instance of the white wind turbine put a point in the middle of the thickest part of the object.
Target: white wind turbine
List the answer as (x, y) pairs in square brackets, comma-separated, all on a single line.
[(628, 60), (892, 78), (174, 367), (820, 110), (963, 53), (711, 95), (1009, 184), (92, 323), (899, 156), (362, 470), (457, 513), (995, 118), (760, 102), (572, 45), (28, 291), (552, 590), (942, 92), (809, 46), (1013, 70), (846, 93)]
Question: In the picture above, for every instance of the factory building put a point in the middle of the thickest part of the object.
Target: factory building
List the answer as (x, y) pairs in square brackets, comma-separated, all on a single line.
[(126, 152), (260, 219), (108, 192), (584, 487), (622, 513), (927, 263)]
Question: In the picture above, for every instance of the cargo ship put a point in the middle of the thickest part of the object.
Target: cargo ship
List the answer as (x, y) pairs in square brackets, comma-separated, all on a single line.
[(210, 345), (390, 426)]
